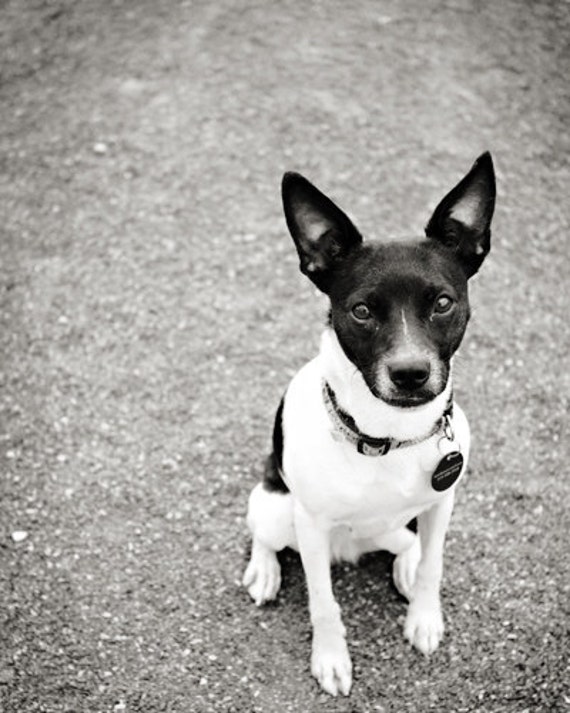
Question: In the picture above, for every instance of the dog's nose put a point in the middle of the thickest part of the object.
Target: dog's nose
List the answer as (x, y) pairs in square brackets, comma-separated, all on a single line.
[(409, 375)]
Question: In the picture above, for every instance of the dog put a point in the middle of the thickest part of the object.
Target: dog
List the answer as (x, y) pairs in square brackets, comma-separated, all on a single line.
[(367, 437)]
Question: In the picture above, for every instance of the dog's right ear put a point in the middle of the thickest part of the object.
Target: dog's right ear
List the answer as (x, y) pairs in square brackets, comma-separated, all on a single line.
[(323, 234)]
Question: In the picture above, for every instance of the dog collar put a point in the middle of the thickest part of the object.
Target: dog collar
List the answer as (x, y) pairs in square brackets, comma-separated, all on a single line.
[(370, 446)]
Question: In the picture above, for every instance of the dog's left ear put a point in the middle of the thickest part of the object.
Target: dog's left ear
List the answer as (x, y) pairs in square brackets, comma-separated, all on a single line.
[(462, 221)]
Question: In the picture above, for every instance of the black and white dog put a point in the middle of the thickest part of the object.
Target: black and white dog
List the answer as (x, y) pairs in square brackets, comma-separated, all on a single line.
[(367, 436)]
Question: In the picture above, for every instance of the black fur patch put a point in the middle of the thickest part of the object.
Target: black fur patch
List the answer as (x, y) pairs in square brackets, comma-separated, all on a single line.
[(272, 479), (278, 440), (413, 525)]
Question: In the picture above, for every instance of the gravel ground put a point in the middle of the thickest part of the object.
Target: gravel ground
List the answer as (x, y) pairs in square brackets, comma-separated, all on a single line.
[(151, 313)]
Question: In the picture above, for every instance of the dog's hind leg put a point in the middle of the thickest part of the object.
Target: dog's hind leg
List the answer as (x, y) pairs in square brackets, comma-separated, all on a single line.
[(270, 520), (406, 563), (403, 543)]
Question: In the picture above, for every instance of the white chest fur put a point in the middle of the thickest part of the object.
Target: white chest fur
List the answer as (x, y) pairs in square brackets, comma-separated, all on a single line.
[(370, 494)]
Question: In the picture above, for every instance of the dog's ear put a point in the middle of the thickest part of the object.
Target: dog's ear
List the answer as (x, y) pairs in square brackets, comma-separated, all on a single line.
[(462, 221), (323, 234)]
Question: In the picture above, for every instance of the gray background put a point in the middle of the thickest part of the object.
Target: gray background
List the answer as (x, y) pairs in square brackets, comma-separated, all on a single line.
[(152, 313)]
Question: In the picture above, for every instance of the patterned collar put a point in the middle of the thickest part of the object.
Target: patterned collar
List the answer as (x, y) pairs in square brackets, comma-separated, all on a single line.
[(370, 446)]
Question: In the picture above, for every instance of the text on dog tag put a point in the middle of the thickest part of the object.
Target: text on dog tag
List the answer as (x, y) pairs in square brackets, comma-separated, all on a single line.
[(447, 471)]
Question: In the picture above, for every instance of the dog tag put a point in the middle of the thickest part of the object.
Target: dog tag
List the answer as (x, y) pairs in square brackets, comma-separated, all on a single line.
[(447, 471)]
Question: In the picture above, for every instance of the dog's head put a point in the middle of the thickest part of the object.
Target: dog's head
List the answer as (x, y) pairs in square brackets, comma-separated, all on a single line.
[(399, 309)]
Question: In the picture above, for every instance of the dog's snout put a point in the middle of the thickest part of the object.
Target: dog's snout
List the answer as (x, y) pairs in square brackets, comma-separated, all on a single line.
[(410, 374)]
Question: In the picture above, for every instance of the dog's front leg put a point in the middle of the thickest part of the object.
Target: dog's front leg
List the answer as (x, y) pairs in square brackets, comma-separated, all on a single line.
[(330, 660), (424, 621)]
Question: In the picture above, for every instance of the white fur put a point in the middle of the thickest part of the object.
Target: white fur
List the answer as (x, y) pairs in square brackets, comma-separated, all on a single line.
[(405, 325), (342, 503)]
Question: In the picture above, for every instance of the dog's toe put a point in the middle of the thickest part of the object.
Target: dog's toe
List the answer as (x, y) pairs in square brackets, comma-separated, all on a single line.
[(424, 627), (331, 664), (262, 578)]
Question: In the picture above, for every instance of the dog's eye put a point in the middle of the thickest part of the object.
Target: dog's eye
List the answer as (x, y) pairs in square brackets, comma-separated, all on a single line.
[(361, 312), (443, 304)]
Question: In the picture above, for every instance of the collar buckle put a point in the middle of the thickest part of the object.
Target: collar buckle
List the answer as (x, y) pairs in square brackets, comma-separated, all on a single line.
[(448, 428), (373, 446)]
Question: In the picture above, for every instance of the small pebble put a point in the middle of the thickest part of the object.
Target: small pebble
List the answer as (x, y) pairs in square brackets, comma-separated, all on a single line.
[(19, 535)]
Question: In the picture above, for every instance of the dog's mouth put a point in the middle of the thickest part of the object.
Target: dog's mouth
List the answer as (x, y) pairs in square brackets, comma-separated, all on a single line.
[(404, 397), (407, 400)]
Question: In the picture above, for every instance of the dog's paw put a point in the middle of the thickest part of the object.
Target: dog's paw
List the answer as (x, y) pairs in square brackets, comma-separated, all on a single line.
[(405, 567), (263, 577), (330, 662), (424, 626)]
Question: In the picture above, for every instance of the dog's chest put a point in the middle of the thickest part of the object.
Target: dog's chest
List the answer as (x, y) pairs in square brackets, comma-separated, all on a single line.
[(369, 494), (376, 494)]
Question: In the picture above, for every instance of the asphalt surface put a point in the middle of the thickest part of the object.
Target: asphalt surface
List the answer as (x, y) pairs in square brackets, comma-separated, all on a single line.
[(151, 313)]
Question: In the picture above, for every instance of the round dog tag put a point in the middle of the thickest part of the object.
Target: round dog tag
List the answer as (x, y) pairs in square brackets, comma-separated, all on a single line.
[(447, 471)]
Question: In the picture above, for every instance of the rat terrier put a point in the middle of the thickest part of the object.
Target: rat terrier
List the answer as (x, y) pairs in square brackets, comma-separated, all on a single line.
[(367, 436)]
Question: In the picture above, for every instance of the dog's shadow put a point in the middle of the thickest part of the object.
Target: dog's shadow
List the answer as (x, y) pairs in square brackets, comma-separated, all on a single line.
[(364, 589)]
